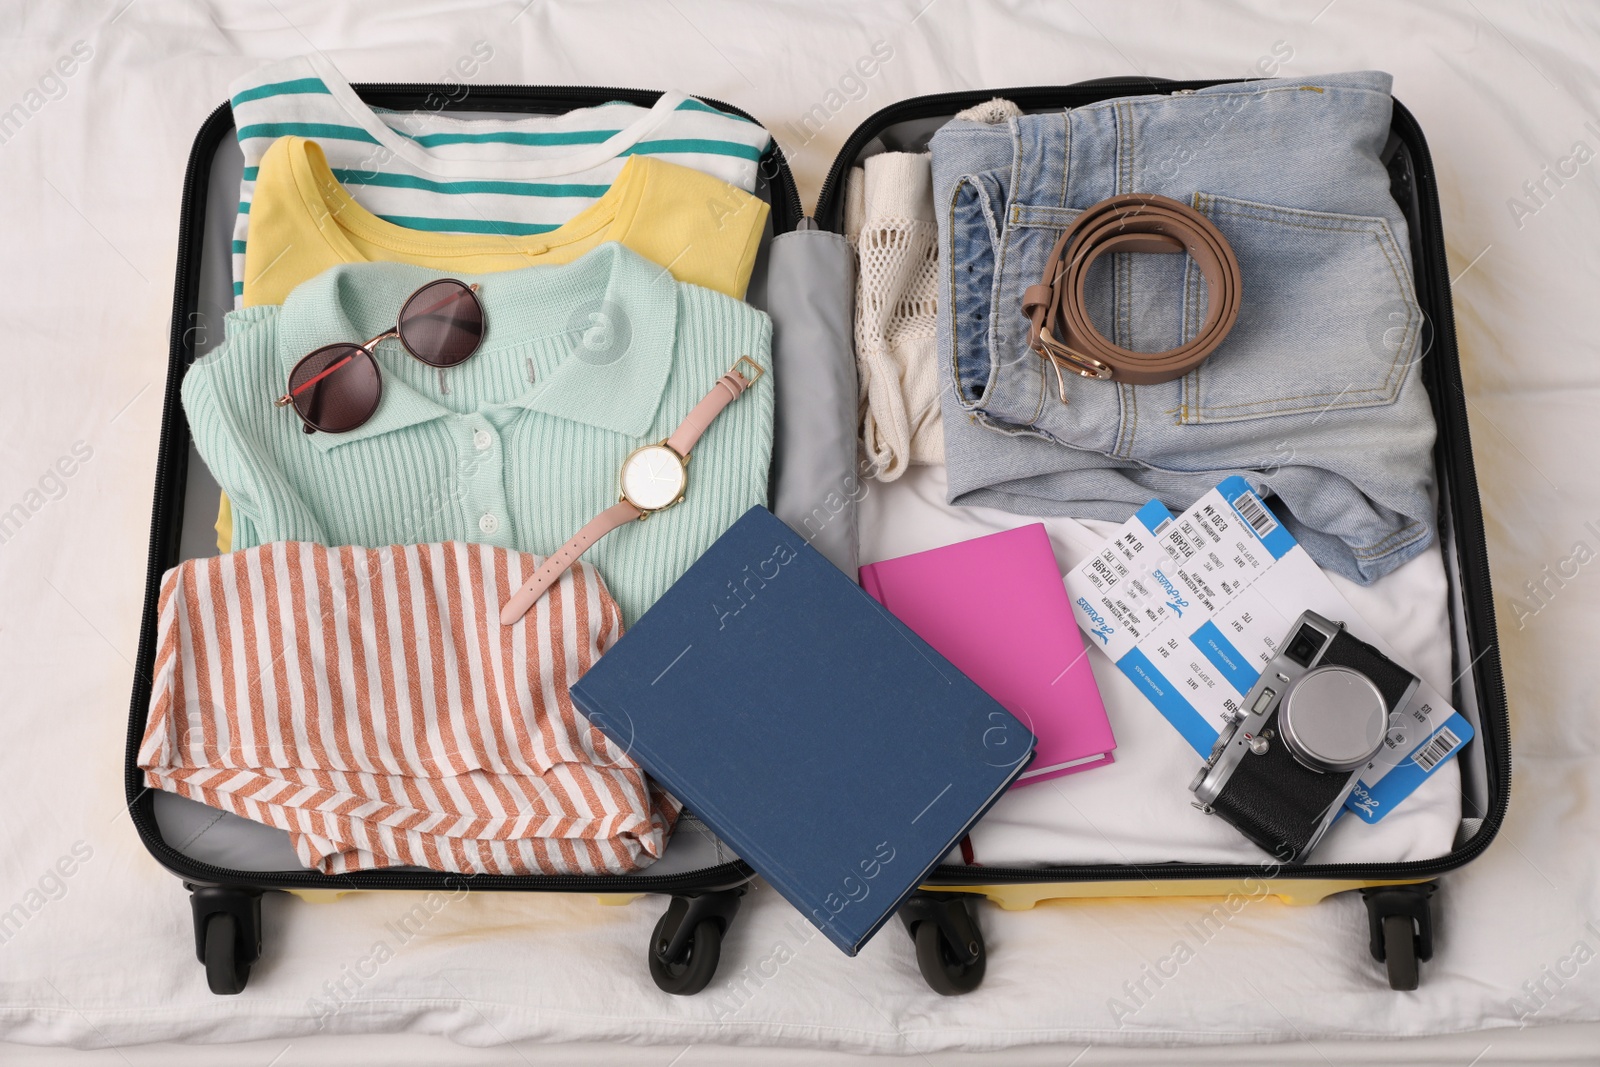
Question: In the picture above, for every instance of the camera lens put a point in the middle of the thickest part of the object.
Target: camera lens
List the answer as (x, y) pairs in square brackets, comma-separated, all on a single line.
[(1333, 719)]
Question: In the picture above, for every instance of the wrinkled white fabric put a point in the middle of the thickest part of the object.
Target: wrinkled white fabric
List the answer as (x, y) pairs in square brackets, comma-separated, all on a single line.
[(993, 111), (91, 179), (889, 221)]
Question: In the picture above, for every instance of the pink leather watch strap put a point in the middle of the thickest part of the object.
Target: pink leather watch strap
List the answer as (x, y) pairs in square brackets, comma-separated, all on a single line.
[(618, 514), (724, 392)]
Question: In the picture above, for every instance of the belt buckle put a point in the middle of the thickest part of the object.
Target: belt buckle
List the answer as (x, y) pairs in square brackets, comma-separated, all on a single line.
[(1060, 356)]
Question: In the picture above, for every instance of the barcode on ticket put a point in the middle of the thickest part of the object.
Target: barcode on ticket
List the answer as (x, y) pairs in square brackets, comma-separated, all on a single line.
[(1439, 746), (1255, 513)]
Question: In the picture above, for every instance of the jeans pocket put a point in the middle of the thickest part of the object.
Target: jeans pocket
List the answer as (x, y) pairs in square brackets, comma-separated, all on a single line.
[(1027, 235), (1329, 318), (974, 238)]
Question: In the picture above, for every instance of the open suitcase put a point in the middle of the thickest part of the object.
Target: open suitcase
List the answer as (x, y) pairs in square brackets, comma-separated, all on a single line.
[(803, 280)]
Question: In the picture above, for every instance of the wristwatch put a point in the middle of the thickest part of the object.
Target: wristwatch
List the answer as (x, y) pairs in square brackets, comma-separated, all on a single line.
[(653, 478)]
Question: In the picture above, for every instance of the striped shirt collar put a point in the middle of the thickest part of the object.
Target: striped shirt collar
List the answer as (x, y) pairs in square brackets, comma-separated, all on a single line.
[(591, 341), (315, 66)]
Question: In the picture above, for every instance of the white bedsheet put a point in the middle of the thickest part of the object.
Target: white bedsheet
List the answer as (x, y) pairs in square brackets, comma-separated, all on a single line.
[(90, 175)]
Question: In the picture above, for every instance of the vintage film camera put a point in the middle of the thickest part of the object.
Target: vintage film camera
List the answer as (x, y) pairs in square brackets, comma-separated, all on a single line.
[(1326, 708)]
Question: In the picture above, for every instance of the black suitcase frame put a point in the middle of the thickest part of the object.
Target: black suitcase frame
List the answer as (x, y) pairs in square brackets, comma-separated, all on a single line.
[(941, 918)]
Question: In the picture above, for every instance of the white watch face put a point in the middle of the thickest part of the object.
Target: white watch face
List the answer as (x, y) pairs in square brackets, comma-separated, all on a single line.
[(653, 477)]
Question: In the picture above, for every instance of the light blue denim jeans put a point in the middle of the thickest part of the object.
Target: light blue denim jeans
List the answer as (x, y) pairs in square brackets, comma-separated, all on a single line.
[(1314, 396)]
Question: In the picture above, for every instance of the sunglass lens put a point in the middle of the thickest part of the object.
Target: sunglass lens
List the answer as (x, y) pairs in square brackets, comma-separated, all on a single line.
[(335, 389), (442, 323)]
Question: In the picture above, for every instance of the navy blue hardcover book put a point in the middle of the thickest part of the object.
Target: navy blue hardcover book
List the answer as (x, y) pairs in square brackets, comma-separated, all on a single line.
[(815, 733)]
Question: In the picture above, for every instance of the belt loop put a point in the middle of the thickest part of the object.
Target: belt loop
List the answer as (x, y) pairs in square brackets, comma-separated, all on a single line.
[(1024, 162), (1066, 160)]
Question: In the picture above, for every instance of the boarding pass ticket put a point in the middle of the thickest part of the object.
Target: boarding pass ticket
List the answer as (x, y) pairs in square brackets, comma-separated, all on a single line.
[(1192, 608)]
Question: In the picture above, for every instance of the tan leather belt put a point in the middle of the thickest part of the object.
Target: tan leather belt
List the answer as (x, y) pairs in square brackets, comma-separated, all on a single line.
[(1060, 329)]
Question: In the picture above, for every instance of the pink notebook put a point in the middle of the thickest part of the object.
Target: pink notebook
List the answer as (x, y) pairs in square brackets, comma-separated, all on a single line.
[(996, 607)]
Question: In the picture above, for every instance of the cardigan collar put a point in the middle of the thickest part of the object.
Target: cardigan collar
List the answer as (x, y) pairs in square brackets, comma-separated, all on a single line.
[(602, 328)]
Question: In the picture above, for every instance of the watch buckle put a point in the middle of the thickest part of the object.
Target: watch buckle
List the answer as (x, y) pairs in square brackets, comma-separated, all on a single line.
[(752, 374)]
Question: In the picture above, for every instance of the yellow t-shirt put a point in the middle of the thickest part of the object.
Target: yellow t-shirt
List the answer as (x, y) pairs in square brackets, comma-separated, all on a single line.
[(303, 221)]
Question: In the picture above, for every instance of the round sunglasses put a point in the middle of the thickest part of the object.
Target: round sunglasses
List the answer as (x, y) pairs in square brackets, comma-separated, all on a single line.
[(337, 387)]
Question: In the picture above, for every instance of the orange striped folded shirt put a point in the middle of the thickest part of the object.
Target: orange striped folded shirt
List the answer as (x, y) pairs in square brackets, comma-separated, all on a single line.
[(369, 702)]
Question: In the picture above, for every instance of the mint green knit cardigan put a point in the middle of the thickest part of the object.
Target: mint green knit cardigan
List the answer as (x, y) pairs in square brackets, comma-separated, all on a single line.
[(519, 446)]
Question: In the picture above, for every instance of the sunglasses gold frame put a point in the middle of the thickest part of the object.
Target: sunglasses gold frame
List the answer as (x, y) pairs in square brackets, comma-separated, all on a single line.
[(367, 347)]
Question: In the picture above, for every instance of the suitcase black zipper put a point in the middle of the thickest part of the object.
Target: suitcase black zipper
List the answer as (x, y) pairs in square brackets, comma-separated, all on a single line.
[(1029, 98), (786, 209), (1450, 409)]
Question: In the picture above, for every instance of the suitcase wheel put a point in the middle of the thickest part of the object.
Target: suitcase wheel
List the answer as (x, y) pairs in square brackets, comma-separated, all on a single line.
[(227, 935), (226, 974), (693, 971), (686, 944), (949, 942), (1400, 924), (1400, 952)]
